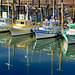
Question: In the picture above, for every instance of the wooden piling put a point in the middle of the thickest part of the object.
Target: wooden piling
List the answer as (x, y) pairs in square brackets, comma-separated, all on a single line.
[(73, 13), (36, 16), (61, 1), (52, 62), (60, 61), (60, 55), (41, 13), (13, 50), (59, 15), (73, 10), (53, 8), (24, 12), (13, 11), (62, 14), (38, 3), (1, 9), (18, 9), (32, 2)]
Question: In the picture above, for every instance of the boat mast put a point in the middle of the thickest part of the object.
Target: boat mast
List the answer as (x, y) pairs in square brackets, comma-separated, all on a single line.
[(8, 8), (27, 11)]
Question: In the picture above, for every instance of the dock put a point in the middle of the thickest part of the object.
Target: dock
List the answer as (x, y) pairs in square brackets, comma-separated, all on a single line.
[(4, 30)]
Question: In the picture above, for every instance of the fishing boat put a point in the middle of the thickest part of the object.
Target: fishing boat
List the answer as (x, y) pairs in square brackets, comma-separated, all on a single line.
[(5, 23), (48, 29), (69, 34), (22, 27)]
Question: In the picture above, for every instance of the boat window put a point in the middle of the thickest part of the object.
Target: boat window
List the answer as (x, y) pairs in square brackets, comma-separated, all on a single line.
[(51, 24), (56, 24), (18, 22), (71, 27), (48, 24), (44, 24), (22, 22), (1, 20), (7, 21), (25, 23)]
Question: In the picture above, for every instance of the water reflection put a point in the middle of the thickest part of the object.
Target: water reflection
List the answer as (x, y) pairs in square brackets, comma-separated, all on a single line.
[(45, 56), (5, 38), (8, 64), (46, 45), (68, 50)]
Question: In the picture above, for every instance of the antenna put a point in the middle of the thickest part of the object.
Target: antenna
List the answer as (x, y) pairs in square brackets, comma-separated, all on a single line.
[(8, 8)]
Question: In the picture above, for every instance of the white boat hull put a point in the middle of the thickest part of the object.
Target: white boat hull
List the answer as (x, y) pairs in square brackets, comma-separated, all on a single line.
[(19, 33), (41, 35), (71, 40)]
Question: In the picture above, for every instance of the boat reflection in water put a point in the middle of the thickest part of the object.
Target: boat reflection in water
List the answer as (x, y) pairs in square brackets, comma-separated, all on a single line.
[(29, 56), (5, 39), (22, 42), (46, 45), (49, 46), (68, 50)]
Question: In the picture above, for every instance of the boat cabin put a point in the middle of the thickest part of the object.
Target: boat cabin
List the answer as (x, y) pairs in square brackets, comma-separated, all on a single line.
[(49, 23), (72, 26), (23, 22), (5, 21)]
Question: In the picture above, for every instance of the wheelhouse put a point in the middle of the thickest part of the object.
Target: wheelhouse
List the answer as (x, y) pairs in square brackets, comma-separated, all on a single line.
[(71, 26), (23, 22), (49, 23), (5, 21)]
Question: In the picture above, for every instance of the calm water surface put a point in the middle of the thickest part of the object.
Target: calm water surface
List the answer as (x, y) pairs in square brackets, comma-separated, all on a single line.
[(24, 55)]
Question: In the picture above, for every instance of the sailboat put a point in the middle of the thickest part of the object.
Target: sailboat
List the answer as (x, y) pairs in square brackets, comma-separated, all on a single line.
[(23, 26), (5, 22)]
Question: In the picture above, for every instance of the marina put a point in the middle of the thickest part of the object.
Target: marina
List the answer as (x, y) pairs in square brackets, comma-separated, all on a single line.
[(37, 37), (35, 57)]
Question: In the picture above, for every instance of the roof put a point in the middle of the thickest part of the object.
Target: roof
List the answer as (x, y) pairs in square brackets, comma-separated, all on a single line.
[(73, 24), (50, 21), (23, 20), (5, 18)]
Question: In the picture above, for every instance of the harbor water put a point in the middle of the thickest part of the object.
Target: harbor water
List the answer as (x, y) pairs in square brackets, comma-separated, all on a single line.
[(24, 55)]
